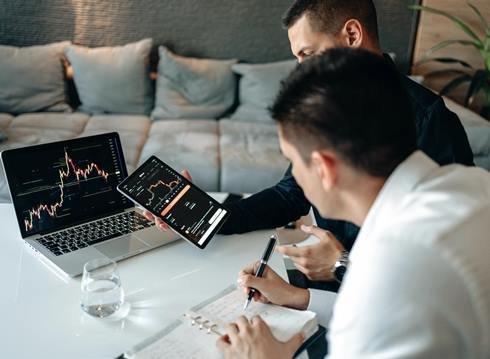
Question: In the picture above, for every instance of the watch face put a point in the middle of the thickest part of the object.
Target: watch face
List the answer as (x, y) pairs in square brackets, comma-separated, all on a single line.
[(339, 272)]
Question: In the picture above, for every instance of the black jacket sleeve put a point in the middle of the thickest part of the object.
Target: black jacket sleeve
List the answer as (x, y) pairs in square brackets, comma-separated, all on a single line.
[(271, 208)]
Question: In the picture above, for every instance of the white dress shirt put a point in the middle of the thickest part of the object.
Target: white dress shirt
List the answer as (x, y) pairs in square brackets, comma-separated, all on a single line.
[(418, 285)]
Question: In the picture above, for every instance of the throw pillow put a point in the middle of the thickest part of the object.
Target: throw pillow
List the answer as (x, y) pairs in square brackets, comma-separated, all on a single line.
[(479, 139), (193, 88), (113, 79), (32, 78), (259, 85)]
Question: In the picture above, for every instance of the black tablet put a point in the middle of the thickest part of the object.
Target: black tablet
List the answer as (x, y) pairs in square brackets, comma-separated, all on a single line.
[(188, 210)]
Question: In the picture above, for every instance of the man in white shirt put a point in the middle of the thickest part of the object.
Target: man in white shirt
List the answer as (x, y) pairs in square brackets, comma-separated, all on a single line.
[(418, 285)]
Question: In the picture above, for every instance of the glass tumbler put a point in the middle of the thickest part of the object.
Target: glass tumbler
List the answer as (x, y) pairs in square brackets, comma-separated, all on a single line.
[(102, 293)]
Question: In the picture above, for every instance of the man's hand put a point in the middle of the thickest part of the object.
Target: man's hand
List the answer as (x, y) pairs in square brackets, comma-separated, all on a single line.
[(315, 261), (158, 222), (254, 340), (272, 288)]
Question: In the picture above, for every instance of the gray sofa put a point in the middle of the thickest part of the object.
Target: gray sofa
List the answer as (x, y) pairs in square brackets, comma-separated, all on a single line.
[(222, 155), (235, 150)]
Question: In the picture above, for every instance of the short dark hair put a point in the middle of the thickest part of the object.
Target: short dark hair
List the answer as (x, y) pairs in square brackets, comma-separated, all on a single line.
[(329, 16), (353, 102)]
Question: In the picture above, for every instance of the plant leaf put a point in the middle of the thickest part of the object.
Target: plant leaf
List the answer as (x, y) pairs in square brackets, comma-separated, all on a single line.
[(477, 83), (458, 22), (455, 83), (446, 43), (480, 16), (446, 60), (445, 72)]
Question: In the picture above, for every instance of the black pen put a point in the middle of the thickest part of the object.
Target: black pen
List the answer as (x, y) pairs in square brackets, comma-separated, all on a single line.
[(263, 263)]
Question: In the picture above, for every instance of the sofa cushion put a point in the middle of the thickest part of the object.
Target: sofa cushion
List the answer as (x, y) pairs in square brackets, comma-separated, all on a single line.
[(483, 162), (468, 118), (36, 128), (113, 79), (45, 122), (478, 132), (479, 138), (132, 129), (5, 119), (32, 78), (258, 87), (250, 156), (187, 144), (193, 88)]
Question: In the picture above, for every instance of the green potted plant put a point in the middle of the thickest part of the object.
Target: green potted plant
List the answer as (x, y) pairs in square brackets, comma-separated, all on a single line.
[(478, 79)]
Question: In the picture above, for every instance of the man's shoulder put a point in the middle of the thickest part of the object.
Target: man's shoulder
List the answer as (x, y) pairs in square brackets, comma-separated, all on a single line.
[(422, 98), (449, 194), (448, 199)]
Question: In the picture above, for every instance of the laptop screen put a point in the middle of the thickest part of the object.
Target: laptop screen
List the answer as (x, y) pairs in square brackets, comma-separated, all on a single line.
[(60, 184)]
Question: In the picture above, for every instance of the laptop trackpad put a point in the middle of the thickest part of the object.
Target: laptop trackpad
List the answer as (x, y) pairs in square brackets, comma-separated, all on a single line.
[(121, 247)]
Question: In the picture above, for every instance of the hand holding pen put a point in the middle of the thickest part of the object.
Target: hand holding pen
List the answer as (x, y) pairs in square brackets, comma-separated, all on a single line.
[(263, 263)]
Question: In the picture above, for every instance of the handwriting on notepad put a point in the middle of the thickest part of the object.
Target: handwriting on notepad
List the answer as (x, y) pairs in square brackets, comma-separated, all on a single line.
[(283, 322)]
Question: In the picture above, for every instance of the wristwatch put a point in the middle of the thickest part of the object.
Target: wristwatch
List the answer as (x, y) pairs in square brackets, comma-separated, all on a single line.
[(340, 267)]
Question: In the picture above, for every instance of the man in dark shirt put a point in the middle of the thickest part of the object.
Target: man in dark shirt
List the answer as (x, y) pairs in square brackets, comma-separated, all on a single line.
[(313, 27)]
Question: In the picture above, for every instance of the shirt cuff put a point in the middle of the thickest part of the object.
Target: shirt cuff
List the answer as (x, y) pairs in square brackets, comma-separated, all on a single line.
[(321, 303)]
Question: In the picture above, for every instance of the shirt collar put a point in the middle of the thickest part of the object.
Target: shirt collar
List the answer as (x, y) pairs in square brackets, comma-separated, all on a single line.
[(402, 181)]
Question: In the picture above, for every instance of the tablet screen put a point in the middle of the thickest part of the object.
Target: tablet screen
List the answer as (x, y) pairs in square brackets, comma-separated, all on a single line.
[(164, 192)]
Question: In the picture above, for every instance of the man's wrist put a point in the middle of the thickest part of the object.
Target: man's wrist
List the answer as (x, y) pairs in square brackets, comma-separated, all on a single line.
[(300, 299), (340, 266)]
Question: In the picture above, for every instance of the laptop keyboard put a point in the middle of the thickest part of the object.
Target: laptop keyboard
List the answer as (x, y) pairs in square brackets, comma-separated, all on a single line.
[(91, 233)]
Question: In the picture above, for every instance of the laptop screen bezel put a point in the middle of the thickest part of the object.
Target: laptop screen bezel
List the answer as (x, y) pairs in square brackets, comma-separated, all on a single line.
[(9, 168)]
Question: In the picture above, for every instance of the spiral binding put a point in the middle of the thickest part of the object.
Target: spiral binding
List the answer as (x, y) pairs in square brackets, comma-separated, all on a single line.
[(203, 323)]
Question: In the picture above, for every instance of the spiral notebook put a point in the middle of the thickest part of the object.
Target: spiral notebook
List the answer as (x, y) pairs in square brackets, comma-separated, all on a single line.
[(194, 335)]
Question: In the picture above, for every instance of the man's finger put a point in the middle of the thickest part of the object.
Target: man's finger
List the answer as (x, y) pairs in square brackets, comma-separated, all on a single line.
[(242, 323), (294, 251), (303, 270), (249, 269), (161, 224), (295, 342), (187, 175), (149, 216), (316, 231), (252, 282), (223, 343), (231, 330)]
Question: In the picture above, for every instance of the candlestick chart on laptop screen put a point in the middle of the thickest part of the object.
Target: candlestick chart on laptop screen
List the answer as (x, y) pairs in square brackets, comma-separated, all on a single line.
[(61, 183)]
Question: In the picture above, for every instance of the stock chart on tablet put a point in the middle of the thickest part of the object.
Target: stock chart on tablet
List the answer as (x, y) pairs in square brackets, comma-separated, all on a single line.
[(164, 192)]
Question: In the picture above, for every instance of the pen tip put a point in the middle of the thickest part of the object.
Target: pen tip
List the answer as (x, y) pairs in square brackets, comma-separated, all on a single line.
[(246, 305)]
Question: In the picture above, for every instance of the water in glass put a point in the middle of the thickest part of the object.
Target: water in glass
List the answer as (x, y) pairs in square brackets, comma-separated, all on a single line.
[(102, 293)]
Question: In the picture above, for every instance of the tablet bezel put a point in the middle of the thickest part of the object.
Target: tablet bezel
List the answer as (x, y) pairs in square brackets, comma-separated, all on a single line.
[(206, 197)]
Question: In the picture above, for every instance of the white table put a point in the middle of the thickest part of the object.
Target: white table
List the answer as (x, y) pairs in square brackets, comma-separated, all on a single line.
[(40, 315)]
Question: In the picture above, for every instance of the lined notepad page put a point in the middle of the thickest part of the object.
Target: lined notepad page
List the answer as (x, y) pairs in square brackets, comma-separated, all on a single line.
[(283, 322), (183, 340)]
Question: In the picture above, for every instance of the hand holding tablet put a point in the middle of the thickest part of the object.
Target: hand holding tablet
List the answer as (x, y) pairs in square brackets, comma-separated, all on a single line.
[(185, 208)]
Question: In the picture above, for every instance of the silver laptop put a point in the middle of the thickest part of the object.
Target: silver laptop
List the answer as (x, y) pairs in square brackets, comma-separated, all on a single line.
[(67, 205)]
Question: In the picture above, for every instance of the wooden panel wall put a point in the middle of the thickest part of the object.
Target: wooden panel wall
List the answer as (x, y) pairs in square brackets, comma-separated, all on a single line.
[(434, 28)]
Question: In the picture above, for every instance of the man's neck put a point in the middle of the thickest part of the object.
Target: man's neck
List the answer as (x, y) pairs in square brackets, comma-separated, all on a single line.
[(361, 197)]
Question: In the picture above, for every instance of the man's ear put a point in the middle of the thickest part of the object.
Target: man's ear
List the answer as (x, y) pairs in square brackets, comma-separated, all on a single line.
[(352, 34), (324, 163)]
